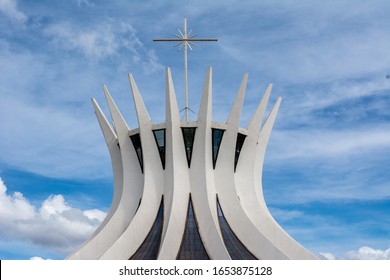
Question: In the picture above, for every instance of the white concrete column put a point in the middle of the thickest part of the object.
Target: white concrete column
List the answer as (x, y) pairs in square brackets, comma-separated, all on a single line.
[(131, 192), (255, 242), (136, 232), (177, 181), (202, 179)]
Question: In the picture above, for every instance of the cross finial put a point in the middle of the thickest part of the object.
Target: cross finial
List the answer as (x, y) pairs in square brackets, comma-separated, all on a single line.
[(184, 40)]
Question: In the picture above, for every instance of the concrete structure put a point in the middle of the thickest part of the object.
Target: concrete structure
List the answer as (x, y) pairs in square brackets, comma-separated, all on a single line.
[(189, 190)]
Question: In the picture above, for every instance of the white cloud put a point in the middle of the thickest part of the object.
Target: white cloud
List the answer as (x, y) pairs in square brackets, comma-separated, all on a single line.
[(36, 258), (15, 206), (10, 9), (368, 253), (95, 214), (54, 205), (363, 253), (55, 225), (327, 256)]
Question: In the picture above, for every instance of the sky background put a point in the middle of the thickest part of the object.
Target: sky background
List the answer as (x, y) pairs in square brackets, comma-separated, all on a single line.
[(326, 172)]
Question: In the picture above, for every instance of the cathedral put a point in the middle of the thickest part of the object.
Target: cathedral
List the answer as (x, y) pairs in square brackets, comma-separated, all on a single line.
[(188, 190)]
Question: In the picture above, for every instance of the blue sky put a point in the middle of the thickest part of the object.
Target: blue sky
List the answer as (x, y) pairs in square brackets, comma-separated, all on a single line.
[(326, 174)]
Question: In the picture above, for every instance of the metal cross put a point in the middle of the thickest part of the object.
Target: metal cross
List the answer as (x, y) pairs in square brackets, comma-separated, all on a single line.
[(185, 40)]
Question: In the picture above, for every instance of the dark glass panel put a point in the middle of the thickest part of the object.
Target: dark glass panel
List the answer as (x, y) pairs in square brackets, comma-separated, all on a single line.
[(192, 247), (239, 144), (149, 248), (159, 136), (217, 135), (138, 149), (236, 249), (188, 137)]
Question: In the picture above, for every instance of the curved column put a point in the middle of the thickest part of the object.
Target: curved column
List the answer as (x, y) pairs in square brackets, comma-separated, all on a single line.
[(131, 239), (291, 248), (259, 245), (245, 167), (116, 162), (261, 146), (177, 184), (131, 192), (203, 192), (117, 170), (248, 178), (250, 145)]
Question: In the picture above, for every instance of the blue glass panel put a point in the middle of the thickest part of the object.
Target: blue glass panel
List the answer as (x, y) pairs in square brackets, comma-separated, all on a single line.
[(149, 248), (236, 249), (192, 247)]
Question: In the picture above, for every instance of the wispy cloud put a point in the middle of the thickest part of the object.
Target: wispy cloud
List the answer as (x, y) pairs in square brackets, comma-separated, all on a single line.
[(47, 97), (323, 143), (85, 2), (97, 43), (312, 44), (104, 40), (306, 105), (285, 215), (62, 128), (10, 9), (55, 225)]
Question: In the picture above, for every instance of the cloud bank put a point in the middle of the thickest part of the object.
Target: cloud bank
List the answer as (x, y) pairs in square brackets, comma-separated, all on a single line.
[(55, 225)]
